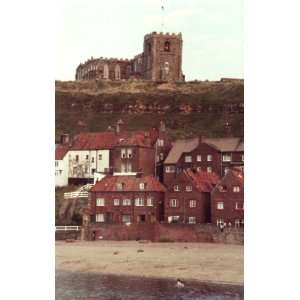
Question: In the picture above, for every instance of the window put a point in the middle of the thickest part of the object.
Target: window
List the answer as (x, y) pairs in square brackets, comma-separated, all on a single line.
[(93, 171), (129, 153), (100, 202), (198, 169), (209, 157), (199, 157), (193, 203), (209, 169), (56, 163), (60, 171), (99, 217), (170, 169), (139, 202), (123, 153), (120, 186), (239, 206), (173, 203), (188, 188), (226, 157), (93, 159), (236, 189), (126, 202), (192, 220), (77, 158), (220, 221), (173, 219), (161, 156), (226, 170), (188, 158), (222, 188), (160, 142), (100, 156), (142, 186), (126, 219), (129, 167), (86, 157), (176, 188), (149, 201), (167, 46), (116, 202), (239, 222), (220, 205)]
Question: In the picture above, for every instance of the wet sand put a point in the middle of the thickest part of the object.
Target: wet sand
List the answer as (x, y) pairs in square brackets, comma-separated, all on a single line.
[(203, 262)]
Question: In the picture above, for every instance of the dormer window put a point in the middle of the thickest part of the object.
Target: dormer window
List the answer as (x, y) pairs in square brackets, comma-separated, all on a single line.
[(188, 158), (120, 186), (142, 185), (167, 46)]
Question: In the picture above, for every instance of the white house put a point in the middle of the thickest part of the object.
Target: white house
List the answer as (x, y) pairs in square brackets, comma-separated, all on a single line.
[(61, 165)]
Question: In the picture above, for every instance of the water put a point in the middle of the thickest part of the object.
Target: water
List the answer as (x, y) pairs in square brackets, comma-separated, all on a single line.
[(79, 286)]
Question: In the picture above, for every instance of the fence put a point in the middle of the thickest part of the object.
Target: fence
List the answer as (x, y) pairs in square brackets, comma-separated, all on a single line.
[(67, 228)]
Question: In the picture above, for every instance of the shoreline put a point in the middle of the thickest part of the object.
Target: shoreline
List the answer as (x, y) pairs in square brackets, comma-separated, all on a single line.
[(202, 263)]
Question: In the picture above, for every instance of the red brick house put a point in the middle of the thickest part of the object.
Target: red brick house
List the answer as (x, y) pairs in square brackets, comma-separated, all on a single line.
[(227, 199), (187, 198), (216, 155), (126, 199)]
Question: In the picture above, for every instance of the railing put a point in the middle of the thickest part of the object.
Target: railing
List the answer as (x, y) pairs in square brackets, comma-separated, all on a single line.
[(76, 195), (67, 228)]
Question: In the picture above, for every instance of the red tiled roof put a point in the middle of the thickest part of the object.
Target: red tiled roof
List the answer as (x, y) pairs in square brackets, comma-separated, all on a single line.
[(131, 184), (203, 181), (61, 151), (108, 140)]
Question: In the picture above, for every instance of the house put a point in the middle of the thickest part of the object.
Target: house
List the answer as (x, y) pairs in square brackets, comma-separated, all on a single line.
[(61, 165), (187, 198), (134, 153), (216, 155), (126, 199), (227, 199)]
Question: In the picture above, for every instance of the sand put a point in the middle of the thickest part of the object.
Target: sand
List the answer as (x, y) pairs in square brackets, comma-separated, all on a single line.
[(198, 261)]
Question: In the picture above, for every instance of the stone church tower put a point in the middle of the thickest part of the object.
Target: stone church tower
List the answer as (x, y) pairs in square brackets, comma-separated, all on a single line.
[(163, 57)]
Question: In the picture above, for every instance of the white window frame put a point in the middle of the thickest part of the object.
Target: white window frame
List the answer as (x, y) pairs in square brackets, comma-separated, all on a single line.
[(173, 203), (188, 158), (129, 153), (226, 157), (139, 202), (170, 169), (192, 220), (100, 157), (150, 201), (123, 153), (160, 142), (193, 203), (142, 186), (236, 189), (199, 157), (127, 215), (100, 218), (116, 202), (209, 157), (237, 206), (220, 205), (209, 169), (173, 218), (220, 221), (100, 202), (126, 202), (176, 188), (188, 188)]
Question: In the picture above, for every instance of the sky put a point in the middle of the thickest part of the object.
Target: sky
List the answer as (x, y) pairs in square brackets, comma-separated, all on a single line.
[(212, 32)]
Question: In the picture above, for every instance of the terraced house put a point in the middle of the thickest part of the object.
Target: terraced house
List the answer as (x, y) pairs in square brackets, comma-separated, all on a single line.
[(228, 200), (126, 199), (187, 199), (216, 155)]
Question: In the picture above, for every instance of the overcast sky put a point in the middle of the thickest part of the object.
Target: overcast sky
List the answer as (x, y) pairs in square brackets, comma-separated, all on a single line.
[(212, 33)]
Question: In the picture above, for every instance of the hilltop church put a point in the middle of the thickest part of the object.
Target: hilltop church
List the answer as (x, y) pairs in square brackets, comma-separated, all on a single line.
[(161, 60)]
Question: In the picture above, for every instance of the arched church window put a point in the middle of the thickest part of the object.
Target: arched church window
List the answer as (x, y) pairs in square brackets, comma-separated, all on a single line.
[(117, 72), (106, 71), (167, 46)]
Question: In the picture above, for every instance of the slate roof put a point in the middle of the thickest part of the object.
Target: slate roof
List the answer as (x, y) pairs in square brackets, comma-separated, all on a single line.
[(188, 145), (131, 184)]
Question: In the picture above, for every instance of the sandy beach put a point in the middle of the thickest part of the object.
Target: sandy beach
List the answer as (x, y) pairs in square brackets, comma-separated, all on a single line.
[(197, 261)]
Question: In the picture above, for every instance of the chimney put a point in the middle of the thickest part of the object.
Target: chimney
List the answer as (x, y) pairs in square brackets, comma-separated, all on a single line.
[(119, 126), (65, 139)]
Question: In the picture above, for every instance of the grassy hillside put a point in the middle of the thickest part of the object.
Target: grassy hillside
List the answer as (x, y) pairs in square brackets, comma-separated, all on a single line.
[(188, 109)]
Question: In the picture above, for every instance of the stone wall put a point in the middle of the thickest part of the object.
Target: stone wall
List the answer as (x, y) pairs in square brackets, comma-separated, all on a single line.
[(165, 233)]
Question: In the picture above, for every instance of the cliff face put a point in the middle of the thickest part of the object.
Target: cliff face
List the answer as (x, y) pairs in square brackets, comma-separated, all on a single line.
[(188, 109)]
